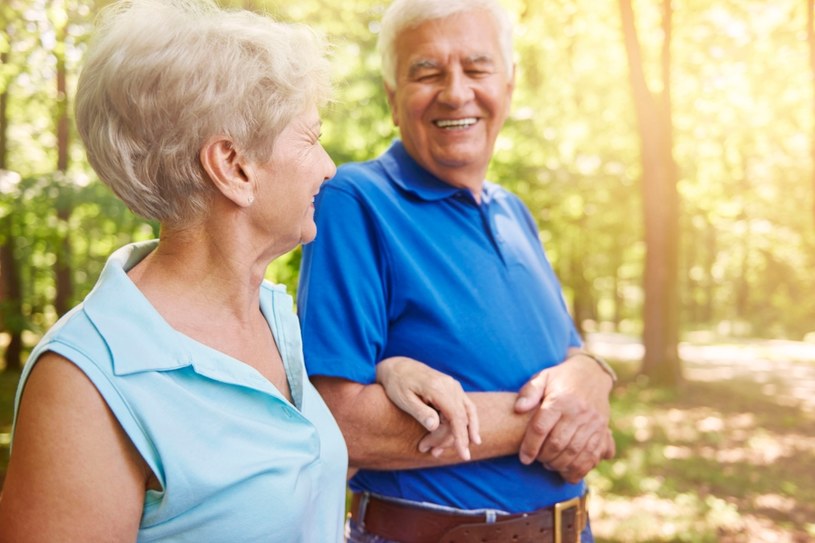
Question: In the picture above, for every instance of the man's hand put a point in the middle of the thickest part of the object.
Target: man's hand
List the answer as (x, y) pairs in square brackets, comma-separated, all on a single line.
[(569, 433)]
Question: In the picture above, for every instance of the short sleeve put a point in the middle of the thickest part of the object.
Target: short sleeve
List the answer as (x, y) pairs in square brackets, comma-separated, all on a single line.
[(342, 292)]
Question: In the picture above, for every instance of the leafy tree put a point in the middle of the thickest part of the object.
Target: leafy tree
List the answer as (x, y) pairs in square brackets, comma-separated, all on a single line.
[(811, 43), (732, 88)]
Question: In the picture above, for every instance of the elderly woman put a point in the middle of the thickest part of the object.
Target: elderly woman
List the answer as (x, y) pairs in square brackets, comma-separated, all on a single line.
[(172, 404)]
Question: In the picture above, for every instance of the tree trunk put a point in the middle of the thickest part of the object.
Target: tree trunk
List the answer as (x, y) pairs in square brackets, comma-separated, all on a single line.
[(10, 297), (4, 119), (581, 301), (64, 283), (711, 250), (811, 42), (10, 288), (653, 112)]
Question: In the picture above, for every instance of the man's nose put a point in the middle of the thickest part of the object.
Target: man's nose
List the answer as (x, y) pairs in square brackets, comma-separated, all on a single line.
[(456, 89)]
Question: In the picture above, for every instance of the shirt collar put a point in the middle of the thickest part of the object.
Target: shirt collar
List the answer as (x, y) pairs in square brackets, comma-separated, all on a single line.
[(126, 319), (406, 173)]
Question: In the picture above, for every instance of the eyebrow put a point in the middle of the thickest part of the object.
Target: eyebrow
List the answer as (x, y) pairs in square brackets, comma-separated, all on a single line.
[(422, 64), (479, 59), (427, 64)]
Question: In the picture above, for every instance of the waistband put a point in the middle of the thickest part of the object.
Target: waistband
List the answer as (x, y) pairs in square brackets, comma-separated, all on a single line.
[(408, 523)]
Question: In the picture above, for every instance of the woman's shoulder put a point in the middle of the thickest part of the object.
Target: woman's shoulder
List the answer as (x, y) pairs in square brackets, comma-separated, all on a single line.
[(73, 337)]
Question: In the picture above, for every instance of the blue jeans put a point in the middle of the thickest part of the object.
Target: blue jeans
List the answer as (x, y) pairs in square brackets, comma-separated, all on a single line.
[(355, 534)]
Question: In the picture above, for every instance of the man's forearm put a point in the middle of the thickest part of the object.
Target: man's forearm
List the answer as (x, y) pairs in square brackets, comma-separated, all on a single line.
[(382, 436)]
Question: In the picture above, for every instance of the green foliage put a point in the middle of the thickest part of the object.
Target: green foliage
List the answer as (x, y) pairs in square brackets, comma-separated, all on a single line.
[(569, 149), (97, 223)]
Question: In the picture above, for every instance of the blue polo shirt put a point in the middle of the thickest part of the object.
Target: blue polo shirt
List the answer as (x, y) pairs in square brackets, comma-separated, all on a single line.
[(235, 459), (405, 264)]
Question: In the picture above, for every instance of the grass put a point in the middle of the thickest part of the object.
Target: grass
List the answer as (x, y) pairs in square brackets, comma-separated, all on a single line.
[(719, 460)]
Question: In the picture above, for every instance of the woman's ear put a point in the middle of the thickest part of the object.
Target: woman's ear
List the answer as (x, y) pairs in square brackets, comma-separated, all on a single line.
[(228, 169)]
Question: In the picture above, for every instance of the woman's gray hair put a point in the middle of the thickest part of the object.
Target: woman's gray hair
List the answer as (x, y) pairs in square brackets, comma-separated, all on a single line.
[(405, 14), (163, 76)]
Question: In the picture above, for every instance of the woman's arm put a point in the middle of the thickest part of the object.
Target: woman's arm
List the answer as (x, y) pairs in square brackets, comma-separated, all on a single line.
[(73, 474)]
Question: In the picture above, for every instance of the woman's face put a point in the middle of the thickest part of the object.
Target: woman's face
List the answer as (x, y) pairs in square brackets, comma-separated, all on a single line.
[(289, 181)]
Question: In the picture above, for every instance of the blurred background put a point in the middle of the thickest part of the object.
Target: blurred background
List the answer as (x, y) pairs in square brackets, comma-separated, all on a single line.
[(666, 151)]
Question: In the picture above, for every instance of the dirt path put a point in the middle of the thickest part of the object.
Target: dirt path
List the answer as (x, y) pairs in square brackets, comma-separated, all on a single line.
[(785, 370), (730, 454)]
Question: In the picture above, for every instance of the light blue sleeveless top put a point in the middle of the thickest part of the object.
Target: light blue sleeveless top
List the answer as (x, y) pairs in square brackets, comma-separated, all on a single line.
[(237, 462)]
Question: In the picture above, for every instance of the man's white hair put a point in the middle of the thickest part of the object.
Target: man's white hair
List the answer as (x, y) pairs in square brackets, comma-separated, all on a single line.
[(402, 15)]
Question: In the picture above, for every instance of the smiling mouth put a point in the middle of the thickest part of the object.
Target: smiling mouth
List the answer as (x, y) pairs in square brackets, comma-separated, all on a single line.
[(451, 124)]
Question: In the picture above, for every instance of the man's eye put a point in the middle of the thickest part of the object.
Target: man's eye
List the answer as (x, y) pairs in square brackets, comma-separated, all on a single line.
[(478, 72), (427, 76)]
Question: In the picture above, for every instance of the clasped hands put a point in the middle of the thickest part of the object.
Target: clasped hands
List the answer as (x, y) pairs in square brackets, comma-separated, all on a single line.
[(567, 408)]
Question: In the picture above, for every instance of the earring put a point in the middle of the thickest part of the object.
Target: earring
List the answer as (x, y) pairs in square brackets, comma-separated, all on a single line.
[(250, 200)]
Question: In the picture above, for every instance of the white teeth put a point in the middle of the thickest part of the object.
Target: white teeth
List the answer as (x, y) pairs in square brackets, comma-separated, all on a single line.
[(456, 123)]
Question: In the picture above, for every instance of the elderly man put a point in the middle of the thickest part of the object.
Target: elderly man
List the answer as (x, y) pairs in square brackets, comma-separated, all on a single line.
[(418, 256)]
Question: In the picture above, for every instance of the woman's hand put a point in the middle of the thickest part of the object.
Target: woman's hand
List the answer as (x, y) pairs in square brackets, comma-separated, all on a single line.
[(433, 398)]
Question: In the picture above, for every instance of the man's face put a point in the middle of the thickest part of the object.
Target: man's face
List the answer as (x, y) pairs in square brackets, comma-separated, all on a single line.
[(452, 95)]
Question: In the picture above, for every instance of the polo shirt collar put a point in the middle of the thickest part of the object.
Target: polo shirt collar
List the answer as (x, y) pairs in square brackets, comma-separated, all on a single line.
[(413, 178), (125, 318)]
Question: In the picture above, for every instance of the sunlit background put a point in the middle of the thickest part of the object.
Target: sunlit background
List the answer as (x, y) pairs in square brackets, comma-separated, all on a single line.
[(742, 109)]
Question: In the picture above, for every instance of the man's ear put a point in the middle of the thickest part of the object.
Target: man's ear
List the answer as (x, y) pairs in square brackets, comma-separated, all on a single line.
[(391, 96), (228, 169)]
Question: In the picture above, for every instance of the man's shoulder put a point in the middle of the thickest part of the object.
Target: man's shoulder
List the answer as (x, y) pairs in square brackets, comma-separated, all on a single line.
[(354, 174), (362, 180)]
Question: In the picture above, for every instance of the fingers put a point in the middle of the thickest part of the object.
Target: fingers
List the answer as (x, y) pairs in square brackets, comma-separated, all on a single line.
[(531, 394), (577, 443), (437, 451), (432, 397), (440, 438), (569, 431), (416, 408), (463, 430), (568, 436), (581, 454), (445, 437), (536, 433), (474, 425), (457, 411), (588, 459)]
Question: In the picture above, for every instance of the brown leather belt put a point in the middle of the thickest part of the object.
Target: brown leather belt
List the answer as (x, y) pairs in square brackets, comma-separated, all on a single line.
[(405, 523)]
